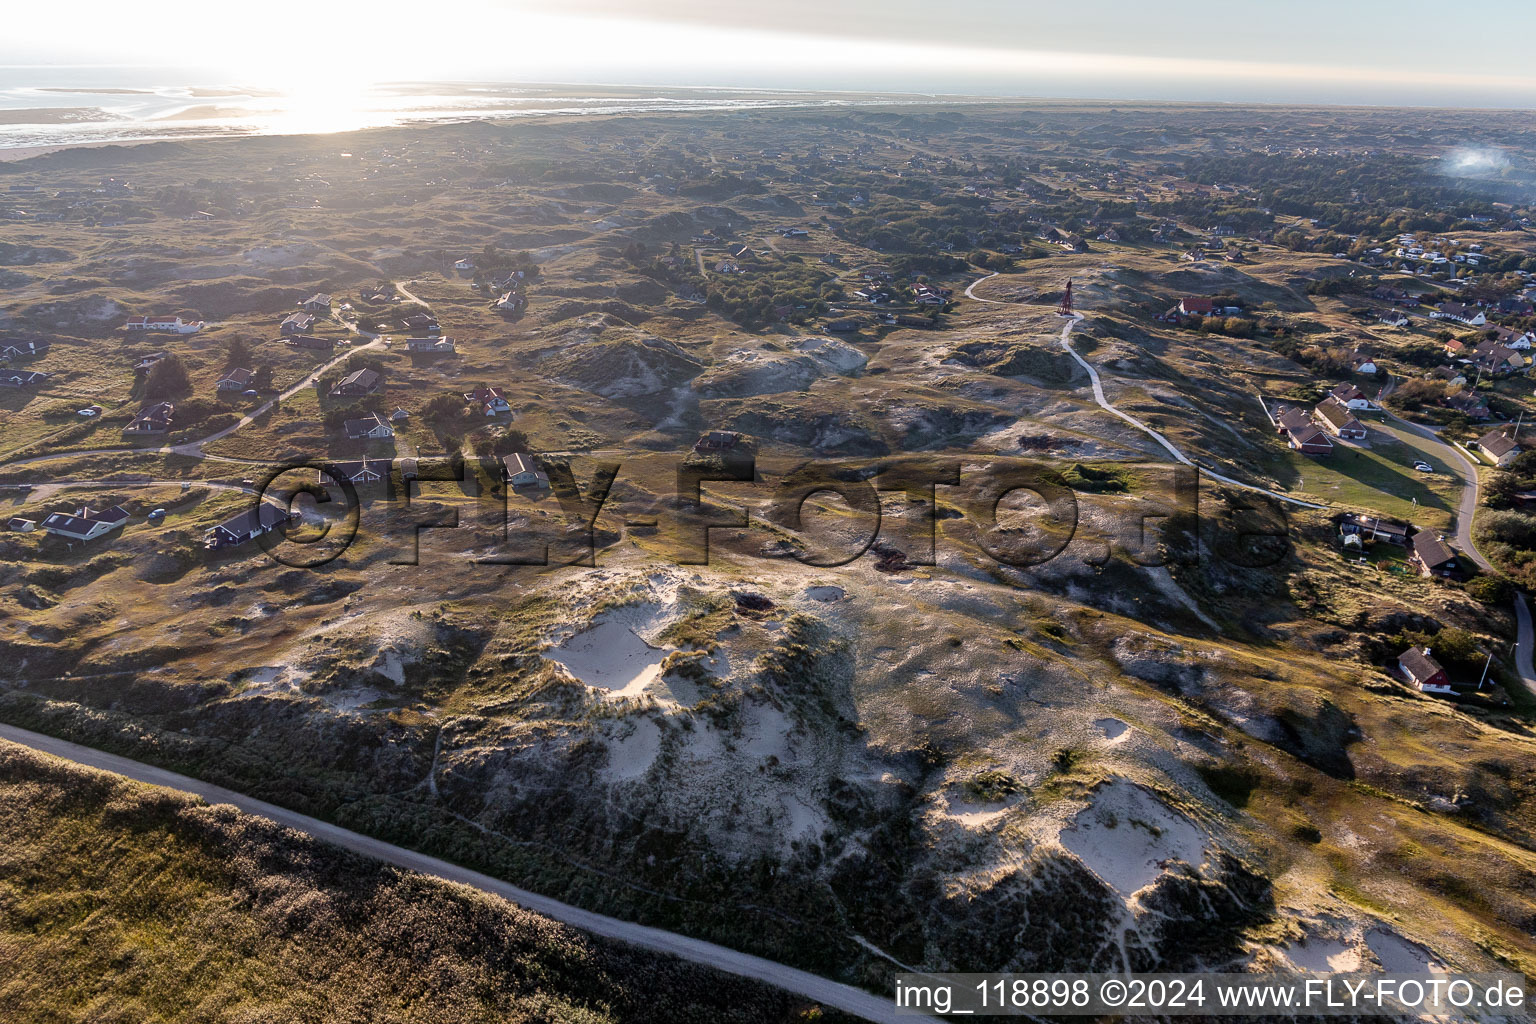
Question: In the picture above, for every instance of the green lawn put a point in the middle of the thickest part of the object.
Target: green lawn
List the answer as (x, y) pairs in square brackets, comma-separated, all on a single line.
[(1379, 479)]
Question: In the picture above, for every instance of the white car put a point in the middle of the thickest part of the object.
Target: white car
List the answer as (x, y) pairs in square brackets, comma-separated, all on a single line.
[(1423, 467)]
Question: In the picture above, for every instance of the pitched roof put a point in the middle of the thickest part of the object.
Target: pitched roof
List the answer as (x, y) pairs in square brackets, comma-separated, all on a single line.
[(81, 522), (1338, 414), (1294, 418), (354, 468), (1347, 392), (263, 516), (153, 417), (1498, 442), (1418, 665), (519, 462), (1468, 402), (1431, 550), (1373, 524), (1295, 422), (365, 424), (1197, 304), (364, 378)]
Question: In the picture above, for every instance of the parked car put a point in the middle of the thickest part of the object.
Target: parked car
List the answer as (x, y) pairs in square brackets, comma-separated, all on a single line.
[(1423, 467), (157, 515)]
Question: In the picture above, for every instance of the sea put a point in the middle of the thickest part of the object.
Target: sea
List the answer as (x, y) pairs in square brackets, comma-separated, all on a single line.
[(47, 107)]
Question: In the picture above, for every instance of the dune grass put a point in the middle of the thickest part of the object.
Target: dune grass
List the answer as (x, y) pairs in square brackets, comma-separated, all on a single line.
[(121, 902)]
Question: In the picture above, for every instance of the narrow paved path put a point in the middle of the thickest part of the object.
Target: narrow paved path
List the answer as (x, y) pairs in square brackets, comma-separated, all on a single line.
[(1466, 510), (1109, 407), (194, 449), (1525, 634), (802, 983), (1173, 449), (405, 293)]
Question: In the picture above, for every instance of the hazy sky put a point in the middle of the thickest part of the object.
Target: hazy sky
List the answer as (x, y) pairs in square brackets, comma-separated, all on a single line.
[(1341, 51)]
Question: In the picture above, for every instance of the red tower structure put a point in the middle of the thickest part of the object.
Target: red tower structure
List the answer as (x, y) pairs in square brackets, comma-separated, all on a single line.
[(1066, 300)]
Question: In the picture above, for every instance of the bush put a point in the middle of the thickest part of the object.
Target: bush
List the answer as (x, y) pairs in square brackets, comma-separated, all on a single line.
[(1491, 590), (992, 786), (167, 379)]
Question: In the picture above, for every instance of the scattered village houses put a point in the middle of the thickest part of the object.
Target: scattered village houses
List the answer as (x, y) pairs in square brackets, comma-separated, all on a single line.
[(318, 304), (84, 524), (371, 427), (420, 323), (357, 384), (1449, 374), (1430, 554), (1460, 313), (147, 363), (1373, 528), (717, 441), (1301, 433), (238, 379), (13, 350), (1352, 397), (1421, 670), (1336, 418), (152, 419), (489, 401), (1500, 446), (519, 470), (1469, 404), (22, 378), (369, 470), (431, 346), (165, 324), (260, 519), (1492, 358), (1516, 338)]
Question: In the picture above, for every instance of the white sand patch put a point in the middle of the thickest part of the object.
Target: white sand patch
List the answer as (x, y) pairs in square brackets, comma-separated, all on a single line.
[(610, 655), (1126, 835), (766, 732), (1398, 955), (974, 815), (1113, 729), (391, 667), (272, 679), (631, 756), (838, 355), (702, 745), (827, 594), (351, 700), (1316, 953), (804, 821)]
